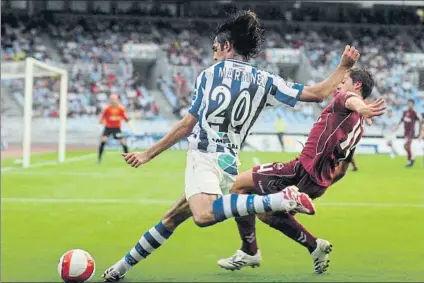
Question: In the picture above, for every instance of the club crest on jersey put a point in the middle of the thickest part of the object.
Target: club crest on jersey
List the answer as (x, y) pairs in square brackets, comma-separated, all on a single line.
[(260, 185), (279, 166), (290, 84)]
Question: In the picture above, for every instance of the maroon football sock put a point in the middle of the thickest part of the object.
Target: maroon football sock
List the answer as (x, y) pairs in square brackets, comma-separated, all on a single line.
[(287, 224), (247, 230), (354, 164), (409, 153)]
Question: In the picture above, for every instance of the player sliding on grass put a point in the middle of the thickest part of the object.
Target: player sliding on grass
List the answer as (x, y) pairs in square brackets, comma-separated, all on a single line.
[(228, 98), (324, 160)]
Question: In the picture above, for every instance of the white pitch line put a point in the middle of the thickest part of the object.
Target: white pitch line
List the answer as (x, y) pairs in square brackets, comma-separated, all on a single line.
[(47, 163), (104, 174), (369, 204), (256, 161), (163, 201), (63, 173), (92, 201)]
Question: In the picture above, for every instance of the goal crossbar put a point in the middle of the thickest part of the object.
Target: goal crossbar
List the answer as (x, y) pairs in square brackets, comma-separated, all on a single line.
[(16, 70)]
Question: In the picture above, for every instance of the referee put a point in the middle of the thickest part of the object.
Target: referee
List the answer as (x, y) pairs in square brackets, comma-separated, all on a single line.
[(111, 118)]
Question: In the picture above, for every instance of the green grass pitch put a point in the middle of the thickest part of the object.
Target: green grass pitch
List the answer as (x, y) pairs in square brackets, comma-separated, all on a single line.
[(373, 217)]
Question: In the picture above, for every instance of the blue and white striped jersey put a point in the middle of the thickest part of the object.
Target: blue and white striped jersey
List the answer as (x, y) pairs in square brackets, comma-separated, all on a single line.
[(227, 100), (389, 125)]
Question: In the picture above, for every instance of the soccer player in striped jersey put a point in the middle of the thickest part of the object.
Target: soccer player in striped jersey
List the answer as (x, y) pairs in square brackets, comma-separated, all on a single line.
[(324, 160), (228, 98)]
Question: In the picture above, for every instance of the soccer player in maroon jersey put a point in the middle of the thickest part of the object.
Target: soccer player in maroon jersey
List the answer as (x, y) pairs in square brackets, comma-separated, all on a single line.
[(409, 118), (324, 160), (352, 159)]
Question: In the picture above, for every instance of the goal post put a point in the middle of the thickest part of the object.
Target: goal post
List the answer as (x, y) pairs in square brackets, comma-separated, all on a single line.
[(30, 63), (29, 70)]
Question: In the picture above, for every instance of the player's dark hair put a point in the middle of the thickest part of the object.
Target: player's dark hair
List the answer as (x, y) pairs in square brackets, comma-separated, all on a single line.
[(365, 77), (243, 30), (411, 100)]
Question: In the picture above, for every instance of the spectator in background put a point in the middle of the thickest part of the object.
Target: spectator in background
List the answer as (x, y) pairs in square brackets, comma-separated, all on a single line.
[(99, 67)]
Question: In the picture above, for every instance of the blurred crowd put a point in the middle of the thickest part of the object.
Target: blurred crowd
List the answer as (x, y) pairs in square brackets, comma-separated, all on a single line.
[(21, 38), (92, 49), (92, 53), (383, 53)]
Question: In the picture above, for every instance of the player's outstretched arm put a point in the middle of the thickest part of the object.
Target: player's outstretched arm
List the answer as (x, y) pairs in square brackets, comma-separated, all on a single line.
[(321, 90), (368, 111), (342, 167), (179, 131), (400, 123)]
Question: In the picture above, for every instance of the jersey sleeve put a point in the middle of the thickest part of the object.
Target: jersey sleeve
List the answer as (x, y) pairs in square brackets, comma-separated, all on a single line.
[(340, 102), (282, 92), (197, 98)]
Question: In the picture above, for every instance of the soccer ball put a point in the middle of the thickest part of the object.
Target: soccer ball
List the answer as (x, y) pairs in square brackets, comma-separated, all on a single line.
[(76, 266)]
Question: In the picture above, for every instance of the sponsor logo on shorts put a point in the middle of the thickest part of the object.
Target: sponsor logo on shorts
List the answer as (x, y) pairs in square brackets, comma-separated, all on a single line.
[(279, 166), (260, 185)]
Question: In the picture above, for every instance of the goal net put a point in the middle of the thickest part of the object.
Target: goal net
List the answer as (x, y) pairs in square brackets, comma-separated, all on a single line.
[(37, 95)]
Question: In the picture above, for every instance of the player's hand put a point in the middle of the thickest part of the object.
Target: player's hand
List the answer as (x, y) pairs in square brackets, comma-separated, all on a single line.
[(376, 108), (368, 121), (135, 159), (349, 57)]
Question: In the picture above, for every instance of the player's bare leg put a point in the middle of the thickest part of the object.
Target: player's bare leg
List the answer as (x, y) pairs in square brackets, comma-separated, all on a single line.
[(150, 241), (407, 147), (101, 148), (209, 209), (123, 142), (393, 152)]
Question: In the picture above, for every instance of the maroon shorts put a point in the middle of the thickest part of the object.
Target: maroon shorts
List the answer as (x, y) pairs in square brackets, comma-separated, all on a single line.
[(273, 177), (409, 138)]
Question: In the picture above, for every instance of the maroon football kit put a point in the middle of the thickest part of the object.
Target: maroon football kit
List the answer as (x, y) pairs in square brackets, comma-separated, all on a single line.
[(332, 139)]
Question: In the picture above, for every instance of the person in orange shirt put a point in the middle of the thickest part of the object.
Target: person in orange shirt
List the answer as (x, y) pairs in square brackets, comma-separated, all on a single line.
[(112, 117)]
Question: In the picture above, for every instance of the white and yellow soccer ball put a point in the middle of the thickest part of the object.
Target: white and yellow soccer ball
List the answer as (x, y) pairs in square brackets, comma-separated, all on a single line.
[(76, 266)]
